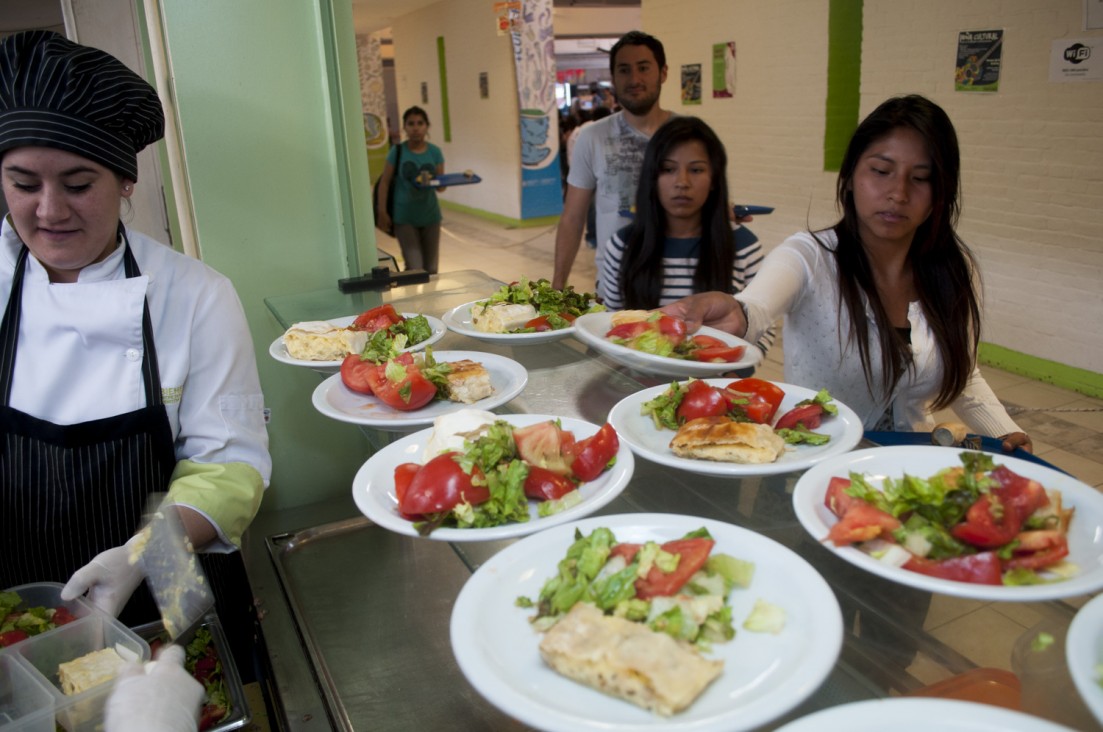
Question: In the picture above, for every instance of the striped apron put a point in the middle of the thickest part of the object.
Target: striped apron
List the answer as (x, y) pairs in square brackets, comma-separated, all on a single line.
[(68, 492)]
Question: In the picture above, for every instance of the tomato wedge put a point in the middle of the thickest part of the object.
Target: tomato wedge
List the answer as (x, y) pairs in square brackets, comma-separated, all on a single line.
[(594, 453), (1038, 549), (982, 568), (546, 445), (837, 499), (719, 354), (766, 391), (544, 485), (809, 415), (861, 522), (628, 331), (441, 485), (693, 553), (377, 318), (399, 384), (355, 371), (11, 637), (989, 523), (702, 400), (672, 328), (540, 324)]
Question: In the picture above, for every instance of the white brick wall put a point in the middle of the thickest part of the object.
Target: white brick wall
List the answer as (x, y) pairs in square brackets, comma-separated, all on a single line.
[(1032, 152)]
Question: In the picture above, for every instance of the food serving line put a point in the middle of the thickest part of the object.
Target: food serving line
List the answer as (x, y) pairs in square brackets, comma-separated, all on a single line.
[(357, 618)]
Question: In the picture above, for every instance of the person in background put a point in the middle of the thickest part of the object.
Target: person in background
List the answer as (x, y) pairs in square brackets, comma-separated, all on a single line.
[(883, 309), (160, 696), (599, 112), (416, 209), (127, 368), (681, 240), (605, 166)]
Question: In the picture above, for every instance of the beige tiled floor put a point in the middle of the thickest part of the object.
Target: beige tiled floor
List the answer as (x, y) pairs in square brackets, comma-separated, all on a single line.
[(1069, 439)]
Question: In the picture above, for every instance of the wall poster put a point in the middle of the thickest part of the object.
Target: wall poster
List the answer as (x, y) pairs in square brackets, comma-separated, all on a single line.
[(1076, 59), (978, 60), (691, 83), (723, 70)]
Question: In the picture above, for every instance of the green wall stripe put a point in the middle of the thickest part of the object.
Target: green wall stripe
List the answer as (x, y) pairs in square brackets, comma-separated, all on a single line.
[(447, 121), (844, 76), (499, 219), (1075, 379)]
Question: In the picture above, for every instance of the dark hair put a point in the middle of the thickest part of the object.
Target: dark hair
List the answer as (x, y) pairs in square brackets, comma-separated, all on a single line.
[(641, 273), (942, 266), (637, 38), (415, 110)]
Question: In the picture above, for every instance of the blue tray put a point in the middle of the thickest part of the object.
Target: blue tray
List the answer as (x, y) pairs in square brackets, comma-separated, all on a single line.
[(988, 444), (450, 179)]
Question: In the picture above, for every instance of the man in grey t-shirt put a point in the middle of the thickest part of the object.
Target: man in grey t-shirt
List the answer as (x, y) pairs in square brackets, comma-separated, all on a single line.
[(605, 167)]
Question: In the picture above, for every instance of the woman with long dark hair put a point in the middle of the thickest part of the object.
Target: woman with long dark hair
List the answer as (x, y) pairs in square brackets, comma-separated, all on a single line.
[(681, 239), (882, 309)]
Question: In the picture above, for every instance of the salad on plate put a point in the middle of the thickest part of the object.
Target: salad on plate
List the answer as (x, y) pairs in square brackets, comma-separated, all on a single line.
[(530, 306)]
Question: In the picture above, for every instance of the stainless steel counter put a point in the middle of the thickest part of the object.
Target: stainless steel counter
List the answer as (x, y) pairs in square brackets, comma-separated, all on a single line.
[(356, 618)]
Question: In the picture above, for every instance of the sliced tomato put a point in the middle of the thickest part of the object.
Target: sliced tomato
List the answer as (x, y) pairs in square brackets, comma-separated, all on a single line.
[(719, 354), (545, 485), (809, 415), (11, 637), (704, 341), (403, 476), (539, 324), (594, 453), (982, 568), (989, 523), (441, 485), (837, 499), (546, 445), (692, 553), (569, 317), (702, 400), (62, 616), (628, 331), (378, 318), (1038, 549), (766, 391), (399, 384), (673, 328), (354, 373), (861, 522), (1025, 494)]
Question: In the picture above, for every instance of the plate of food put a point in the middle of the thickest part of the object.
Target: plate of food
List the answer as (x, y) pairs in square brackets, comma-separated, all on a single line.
[(521, 313), (537, 654), (422, 485), (323, 344), (692, 425), (1084, 654), (920, 715), (413, 395), (969, 524), (654, 343)]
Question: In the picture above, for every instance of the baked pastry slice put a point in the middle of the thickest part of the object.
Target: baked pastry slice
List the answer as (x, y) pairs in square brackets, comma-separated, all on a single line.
[(92, 669), (501, 317), (317, 340), (724, 440), (627, 660), (468, 382)]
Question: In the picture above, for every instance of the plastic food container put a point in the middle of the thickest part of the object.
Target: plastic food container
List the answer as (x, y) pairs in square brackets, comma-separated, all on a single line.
[(239, 714), (48, 594), (26, 704), (42, 654)]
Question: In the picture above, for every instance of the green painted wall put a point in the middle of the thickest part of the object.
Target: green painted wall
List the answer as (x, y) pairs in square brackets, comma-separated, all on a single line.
[(281, 206), (844, 78)]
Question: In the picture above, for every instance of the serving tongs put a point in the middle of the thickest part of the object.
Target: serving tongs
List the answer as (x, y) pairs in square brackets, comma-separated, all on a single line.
[(172, 568)]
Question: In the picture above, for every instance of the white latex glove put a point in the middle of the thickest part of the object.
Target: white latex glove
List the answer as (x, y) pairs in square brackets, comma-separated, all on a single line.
[(109, 579), (161, 697)]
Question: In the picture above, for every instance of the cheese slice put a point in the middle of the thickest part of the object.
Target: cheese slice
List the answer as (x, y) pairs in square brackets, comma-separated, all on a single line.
[(501, 317), (627, 660), (317, 340), (90, 670)]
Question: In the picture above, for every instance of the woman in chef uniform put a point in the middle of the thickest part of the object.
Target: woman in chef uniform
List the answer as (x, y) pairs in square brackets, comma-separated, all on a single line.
[(125, 368)]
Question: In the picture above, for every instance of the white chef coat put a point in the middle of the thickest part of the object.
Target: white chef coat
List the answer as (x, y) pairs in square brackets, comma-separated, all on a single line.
[(798, 280), (79, 354)]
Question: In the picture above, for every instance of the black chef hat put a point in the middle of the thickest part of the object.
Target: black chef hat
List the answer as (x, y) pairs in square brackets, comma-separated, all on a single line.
[(56, 93)]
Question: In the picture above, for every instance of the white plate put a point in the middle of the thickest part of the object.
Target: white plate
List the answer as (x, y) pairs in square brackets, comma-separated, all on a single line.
[(458, 320), (1084, 651), (592, 327), (373, 486), (1085, 533), (279, 352), (764, 675), (920, 715), (333, 399), (639, 431)]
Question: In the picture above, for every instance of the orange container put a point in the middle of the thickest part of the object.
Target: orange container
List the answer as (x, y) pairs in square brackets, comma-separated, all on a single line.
[(984, 685)]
